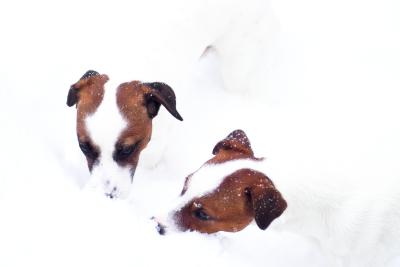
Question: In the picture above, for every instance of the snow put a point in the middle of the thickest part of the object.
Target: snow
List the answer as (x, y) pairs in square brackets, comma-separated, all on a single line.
[(319, 88)]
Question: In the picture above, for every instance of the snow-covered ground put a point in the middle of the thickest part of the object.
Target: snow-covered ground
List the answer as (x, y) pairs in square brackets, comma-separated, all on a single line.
[(320, 86)]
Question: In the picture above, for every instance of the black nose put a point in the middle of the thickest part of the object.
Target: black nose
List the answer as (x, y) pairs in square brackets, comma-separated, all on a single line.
[(160, 229), (110, 195), (113, 193)]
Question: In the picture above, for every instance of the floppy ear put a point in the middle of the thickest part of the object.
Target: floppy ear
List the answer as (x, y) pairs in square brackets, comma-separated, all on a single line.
[(268, 204), (73, 93), (72, 98), (161, 94), (237, 141)]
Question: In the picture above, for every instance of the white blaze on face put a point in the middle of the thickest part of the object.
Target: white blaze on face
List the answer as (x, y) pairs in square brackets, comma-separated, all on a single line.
[(104, 127)]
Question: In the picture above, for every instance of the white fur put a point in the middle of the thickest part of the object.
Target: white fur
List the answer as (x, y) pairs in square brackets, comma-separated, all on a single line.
[(104, 127), (210, 176), (355, 221)]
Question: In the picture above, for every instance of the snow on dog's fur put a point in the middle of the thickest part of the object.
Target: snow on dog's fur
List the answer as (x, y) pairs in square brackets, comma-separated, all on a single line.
[(114, 125), (355, 221)]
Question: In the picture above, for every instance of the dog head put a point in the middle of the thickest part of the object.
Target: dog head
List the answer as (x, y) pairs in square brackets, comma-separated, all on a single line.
[(114, 124), (227, 192)]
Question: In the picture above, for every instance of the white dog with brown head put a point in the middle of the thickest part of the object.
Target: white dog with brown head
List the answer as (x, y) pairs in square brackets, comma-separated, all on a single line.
[(114, 125), (356, 224)]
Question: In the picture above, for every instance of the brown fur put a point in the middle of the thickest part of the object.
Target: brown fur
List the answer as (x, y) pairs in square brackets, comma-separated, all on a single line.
[(138, 103), (235, 146), (132, 104), (242, 196), (90, 93)]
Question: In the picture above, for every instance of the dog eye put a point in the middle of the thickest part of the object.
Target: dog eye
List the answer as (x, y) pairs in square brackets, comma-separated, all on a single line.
[(88, 150), (127, 150), (201, 215), (123, 152)]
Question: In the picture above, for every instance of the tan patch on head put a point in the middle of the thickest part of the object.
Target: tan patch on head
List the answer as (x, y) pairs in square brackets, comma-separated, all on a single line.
[(233, 205), (235, 146), (132, 104), (91, 93)]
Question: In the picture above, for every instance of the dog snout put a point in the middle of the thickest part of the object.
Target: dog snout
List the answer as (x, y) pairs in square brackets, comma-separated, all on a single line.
[(159, 227), (112, 193)]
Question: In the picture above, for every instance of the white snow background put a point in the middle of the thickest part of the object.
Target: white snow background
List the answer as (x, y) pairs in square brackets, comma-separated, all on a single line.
[(316, 82)]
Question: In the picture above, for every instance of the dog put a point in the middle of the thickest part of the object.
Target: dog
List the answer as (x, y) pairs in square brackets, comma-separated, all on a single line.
[(354, 224), (115, 124)]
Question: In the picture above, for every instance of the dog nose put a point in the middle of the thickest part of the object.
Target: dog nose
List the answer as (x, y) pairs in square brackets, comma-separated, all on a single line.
[(110, 195), (113, 193), (159, 227)]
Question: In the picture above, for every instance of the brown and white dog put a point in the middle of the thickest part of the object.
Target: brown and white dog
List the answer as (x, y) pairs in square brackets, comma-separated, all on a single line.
[(227, 192), (114, 125), (356, 224)]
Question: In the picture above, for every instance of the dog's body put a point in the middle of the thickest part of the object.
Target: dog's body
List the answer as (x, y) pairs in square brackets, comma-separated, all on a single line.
[(355, 221), (114, 124)]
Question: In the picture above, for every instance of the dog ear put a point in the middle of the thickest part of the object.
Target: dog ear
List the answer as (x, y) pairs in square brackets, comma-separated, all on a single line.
[(161, 94), (267, 202), (73, 93), (72, 98), (237, 141)]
